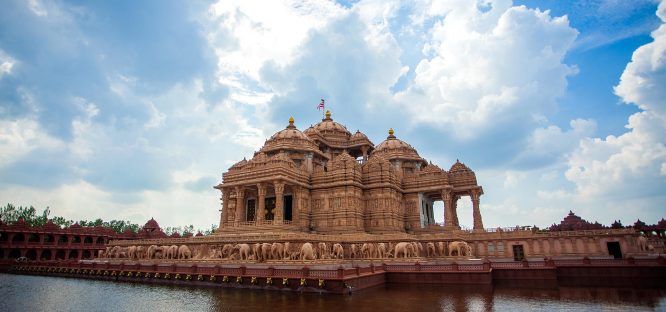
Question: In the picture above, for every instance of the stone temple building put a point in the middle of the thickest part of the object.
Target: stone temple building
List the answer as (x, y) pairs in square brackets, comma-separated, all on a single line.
[(327, 180)]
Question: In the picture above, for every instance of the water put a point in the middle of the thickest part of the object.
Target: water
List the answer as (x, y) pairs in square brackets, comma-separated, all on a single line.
[(38, 293)]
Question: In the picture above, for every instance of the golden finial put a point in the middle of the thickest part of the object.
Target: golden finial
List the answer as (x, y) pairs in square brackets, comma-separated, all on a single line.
[(328, 114), (391, 131), (291, 120)]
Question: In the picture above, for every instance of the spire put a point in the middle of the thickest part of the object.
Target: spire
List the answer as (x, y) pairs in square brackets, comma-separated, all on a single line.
[(328, 115), (390, 132), (291, 123)]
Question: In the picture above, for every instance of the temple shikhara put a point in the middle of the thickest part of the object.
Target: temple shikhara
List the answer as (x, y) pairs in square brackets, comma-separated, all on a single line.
[(327, 180), (327, 210)]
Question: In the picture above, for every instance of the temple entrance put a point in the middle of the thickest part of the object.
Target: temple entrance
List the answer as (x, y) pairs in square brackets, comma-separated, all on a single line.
[(518, 253), (614, 249), (270, 209), (287, 207), (251, 210)]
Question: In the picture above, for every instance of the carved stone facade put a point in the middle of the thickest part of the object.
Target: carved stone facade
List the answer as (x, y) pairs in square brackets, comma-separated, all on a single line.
[(328, 180)]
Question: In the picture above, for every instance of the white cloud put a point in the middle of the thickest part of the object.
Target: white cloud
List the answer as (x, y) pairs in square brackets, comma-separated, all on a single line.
[(489, 69), (37, 8), (22, 136), (6, 64), (631, 163)]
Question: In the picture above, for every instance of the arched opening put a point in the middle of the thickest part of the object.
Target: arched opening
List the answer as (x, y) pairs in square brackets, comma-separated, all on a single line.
[(18, 237), (46, 255), (49, 239), (31, 254), (76, 240), (60, 255), (74, 254), (63, 239), (88, 240), (100, 240), (2, 253), (33, 238), (15, 253), (87, 254), (4, 236)]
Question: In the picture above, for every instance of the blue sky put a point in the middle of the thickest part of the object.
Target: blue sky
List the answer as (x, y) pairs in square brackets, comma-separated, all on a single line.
[(132, 110)]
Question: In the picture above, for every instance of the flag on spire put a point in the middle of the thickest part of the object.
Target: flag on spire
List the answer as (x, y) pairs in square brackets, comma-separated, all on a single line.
[(321, 105)]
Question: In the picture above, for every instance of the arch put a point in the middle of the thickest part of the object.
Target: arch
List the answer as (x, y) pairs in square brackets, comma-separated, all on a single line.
[(49, 239), (88, 240), (18, 238), (86, 254), (31, 254), (76, 239), (100, 240), (63, 239), (46, 255), (33, 238), (60, 254), (2, 253), (15, 253), (73, 254), (4, 236)]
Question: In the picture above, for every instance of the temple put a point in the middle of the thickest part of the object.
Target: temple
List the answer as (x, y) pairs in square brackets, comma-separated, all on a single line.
[(328, 180)]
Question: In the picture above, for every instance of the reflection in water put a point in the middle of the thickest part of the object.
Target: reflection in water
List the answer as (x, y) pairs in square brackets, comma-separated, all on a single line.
[(35, 293)]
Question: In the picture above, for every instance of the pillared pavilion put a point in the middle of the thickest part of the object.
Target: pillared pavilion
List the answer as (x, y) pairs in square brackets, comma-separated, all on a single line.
[(327, 180)]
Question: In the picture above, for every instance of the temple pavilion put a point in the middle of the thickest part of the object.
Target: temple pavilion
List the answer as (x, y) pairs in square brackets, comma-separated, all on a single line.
[(327, 180)]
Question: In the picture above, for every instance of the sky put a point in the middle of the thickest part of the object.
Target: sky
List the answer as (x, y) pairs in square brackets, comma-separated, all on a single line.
[(134, 109)]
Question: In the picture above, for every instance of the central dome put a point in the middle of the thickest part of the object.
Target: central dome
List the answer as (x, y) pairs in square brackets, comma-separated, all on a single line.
[(290, 138), (328, 127), (394, 148)]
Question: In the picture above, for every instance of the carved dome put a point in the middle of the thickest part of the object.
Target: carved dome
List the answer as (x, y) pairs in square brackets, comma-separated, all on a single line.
[(459, 167), (290, 138), (151, 225), (394, 148), (331, 132)]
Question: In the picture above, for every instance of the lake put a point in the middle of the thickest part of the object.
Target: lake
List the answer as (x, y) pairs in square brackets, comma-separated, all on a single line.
[(39, 293)]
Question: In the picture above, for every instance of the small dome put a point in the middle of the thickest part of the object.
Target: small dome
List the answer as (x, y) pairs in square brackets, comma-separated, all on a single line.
[(394, 148), (290, 138), (459, 167), (328, 126), (359, 136), (151, 225)]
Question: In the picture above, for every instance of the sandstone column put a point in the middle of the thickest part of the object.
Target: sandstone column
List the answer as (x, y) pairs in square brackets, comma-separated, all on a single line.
[(448, 209), (224, 218), (261, 211), (454, 204), (279, 201), (478, 223), (240, 207)]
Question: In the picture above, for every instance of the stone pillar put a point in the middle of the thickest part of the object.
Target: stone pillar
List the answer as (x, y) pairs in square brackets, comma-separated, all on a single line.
[(364, 150), (240, 209), (448, 209), (308, 161), (454, 204), (478, 223), (261, 202), (224, 215), (279, 201)]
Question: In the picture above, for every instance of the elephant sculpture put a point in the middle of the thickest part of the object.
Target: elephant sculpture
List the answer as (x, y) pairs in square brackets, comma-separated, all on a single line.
[(381, 250), (227, 250), (460, 248), (266, 251), (184, 252), (338, 251), (368, 250), (277, 251), (430, 249), (256, 250), (152, 250), (405, 249), (307, 252), (323, 251), (140, 252), (291, 251), (441, 248), (355, 251), (131, 252), (243, 251)]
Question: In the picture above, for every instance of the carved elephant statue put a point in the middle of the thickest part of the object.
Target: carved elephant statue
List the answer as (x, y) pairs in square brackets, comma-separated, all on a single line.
[(184, 252), (355, 251), (152, 250), (256, 250), (243, 251), (227, 250), (131, 252), (431, 251), (404, 249), (290, 249), (338, 251), (381, 250), (308, 252), (460, 249), (418, 249), (368, 250), (266, 251), (441, 249), (322, 251), (277, 251), (140, 252)]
